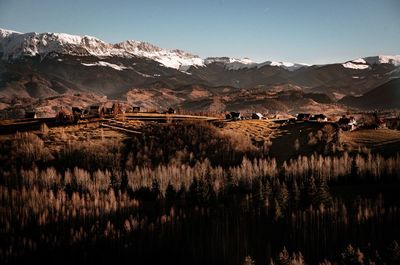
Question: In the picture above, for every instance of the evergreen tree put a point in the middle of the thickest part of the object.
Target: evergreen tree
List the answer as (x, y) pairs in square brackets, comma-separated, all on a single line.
[(311, 190), (323, 195), (297, 259), (277, 210), (352, 256), (284, 257), (394, 253), (248, 261), (296, 194), (282, 195)]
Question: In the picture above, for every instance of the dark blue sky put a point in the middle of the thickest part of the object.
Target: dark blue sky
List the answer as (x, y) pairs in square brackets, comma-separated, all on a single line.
[(310, 31)]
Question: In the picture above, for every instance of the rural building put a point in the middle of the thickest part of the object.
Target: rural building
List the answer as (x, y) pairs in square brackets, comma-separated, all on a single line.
[(235, 115), (77, 111), (133, 109), (393, 123), (257, 116), (107, 111), (30, 115), (96, 110), (116, 109), (303, 116), (64, 116), (319, 118), (171, 111), (347, 124)]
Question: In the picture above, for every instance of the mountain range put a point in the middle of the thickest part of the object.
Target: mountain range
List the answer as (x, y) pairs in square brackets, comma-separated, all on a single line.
[(47, 70)]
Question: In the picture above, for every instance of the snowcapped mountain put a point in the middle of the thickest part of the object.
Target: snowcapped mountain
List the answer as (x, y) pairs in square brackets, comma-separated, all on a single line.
[(37, 66), (231, 63), (368, 62), (237, 64), (14, 45)]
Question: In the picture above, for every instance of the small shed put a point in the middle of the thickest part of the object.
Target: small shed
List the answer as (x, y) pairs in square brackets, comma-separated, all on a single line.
[(257, 116), (116, 109), (319, 118), (347, 123), (171, 111), (235, 115), (303, 116), (96, 110), (30, 115), (64, 116), (77, 111), (108, 111)]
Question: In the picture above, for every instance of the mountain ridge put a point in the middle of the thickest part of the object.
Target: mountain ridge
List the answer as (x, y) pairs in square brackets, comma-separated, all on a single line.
[(14, 44), (37, 66)]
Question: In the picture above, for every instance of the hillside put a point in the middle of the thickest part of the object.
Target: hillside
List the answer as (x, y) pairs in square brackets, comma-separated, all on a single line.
[(386, 96), (35, 68)]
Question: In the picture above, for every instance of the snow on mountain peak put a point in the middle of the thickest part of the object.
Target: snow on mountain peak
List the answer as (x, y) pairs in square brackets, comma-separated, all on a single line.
[(14, 45), (287, 65), (237, 64), (367, 62), (381, 59)]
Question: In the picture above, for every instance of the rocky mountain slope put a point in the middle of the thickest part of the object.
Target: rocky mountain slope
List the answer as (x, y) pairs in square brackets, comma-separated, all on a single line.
[(37, 66)]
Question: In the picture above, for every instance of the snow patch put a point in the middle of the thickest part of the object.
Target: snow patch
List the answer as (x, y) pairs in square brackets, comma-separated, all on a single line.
[(360, 60), (237, 64), (383, 59), (351, 65), (106, 64), (366, 62)]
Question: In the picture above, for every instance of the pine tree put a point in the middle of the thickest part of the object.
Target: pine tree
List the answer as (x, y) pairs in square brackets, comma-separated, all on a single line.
[(282, 195), (296, 194), (394, 253), (277, 210), (284, 257), (248, 261), (352, 256), (297, 259), (323, 195), (311, 189)]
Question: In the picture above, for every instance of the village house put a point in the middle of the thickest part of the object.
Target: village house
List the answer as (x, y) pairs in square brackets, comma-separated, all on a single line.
[(77, 111), (319, 118), (171, 111), (30, 115), (96, 110), (64, 116), (257, 116), (233, 116), (303, 116), (393, 123), (347, 123)]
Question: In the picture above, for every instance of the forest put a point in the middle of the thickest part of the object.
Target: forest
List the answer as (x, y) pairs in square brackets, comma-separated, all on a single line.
[(189, 193)]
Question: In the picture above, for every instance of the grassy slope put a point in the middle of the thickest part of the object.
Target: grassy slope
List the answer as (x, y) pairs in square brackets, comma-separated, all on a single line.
[(384, 141)]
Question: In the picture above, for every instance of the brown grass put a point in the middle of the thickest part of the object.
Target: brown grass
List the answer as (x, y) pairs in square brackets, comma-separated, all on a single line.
[(259, 131), (383, 141)]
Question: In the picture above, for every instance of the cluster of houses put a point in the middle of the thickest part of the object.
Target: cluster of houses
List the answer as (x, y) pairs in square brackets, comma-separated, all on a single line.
[(96, 110), (347, 123), (311, 117), (237, 116)]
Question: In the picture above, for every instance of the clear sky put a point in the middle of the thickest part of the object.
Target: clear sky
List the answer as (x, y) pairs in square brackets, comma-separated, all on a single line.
[(309, 31)]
